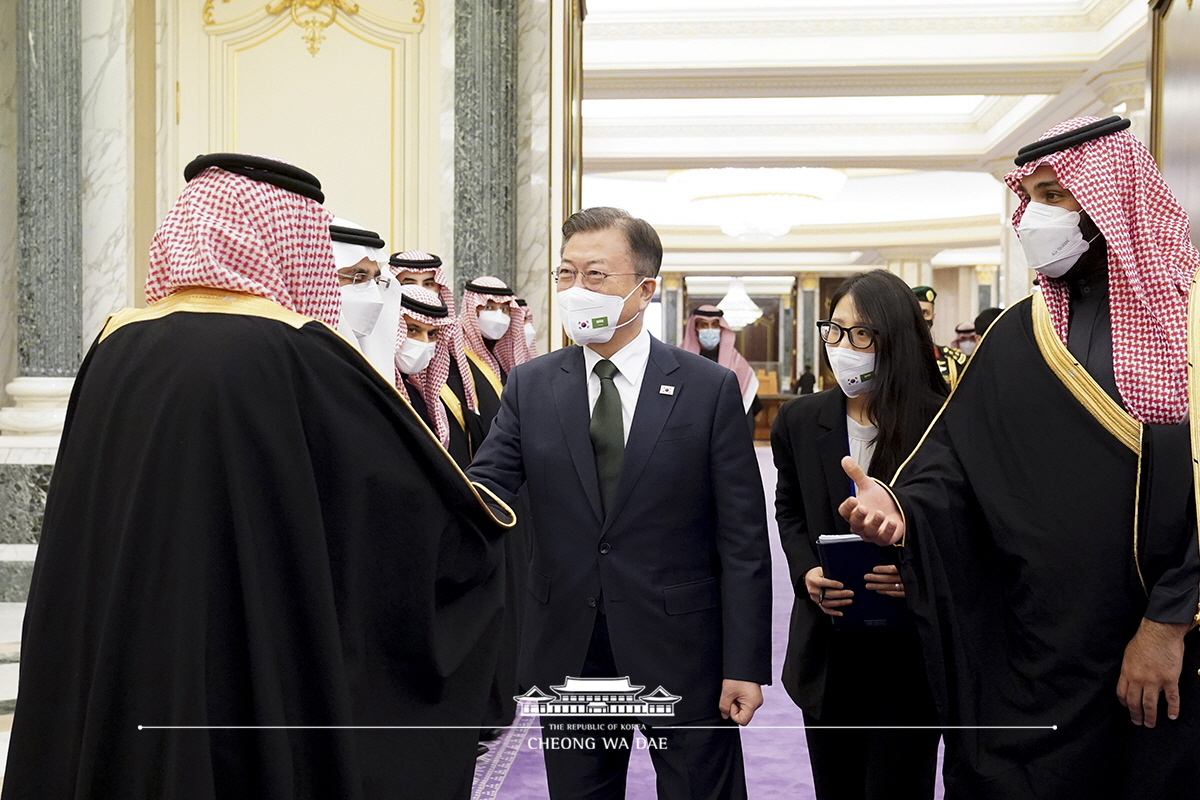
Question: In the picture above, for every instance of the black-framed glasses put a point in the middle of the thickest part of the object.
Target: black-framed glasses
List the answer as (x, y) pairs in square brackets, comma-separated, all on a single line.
[(363, 277), (861, 337), (592, 279)]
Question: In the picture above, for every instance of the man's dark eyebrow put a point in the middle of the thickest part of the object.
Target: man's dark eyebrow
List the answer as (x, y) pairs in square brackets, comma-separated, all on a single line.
[(1041, 185)]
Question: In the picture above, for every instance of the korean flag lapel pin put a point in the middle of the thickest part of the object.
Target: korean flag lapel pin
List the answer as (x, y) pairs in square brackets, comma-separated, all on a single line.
[(669, 391)]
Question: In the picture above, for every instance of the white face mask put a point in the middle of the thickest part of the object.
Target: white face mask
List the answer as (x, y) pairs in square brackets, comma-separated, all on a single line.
[(967, 347), (530, 334), (493, 323), (414, 356), (709, 337), (1051, 239), (590, 317), (361, 304), (853, 369)]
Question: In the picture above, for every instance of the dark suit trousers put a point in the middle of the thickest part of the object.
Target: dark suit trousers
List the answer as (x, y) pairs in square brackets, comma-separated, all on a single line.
[(693, 765), (874, 764)]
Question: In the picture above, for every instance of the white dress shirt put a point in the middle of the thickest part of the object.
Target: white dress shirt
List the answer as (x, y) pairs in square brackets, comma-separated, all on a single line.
[(630, 362)]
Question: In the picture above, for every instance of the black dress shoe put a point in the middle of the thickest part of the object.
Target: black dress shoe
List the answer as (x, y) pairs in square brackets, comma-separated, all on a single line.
[(480, 750)]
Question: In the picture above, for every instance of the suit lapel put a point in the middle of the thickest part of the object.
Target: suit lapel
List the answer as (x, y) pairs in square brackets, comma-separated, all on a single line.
[(653, 408), (571, 401), (833, 445)]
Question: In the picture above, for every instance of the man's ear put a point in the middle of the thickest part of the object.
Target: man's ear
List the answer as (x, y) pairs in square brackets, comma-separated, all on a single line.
[(648, 289)]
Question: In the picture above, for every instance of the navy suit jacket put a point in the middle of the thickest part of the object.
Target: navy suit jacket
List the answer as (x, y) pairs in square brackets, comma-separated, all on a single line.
[(682, 561)]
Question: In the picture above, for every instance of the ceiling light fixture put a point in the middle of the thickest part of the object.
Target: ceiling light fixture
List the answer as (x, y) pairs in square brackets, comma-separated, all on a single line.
[(739, 309), (757, 205)]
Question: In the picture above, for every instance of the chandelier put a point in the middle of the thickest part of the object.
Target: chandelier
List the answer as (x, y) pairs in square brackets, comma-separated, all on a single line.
[(757, 205), (739, 309)]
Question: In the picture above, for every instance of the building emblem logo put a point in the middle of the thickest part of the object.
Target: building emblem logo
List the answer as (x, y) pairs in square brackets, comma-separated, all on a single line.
[(606, 696)]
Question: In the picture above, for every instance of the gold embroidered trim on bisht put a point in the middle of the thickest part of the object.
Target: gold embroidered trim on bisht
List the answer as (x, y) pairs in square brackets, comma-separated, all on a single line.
[(220, 301), (1193, 355), (210, 301), (1126, 429), (450, 400), (487, 371)]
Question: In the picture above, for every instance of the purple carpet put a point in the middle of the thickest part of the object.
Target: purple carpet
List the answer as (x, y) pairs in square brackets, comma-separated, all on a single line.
[(776, 755)]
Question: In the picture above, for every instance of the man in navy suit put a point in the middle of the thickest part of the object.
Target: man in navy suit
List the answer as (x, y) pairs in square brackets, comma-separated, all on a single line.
[(650, 554)]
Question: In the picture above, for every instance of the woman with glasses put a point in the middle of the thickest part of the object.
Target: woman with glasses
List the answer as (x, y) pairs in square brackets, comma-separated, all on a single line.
[(879, 348)]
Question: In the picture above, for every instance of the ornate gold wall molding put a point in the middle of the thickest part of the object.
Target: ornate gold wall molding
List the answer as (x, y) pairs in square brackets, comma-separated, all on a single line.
[(314, 16), (209, 19)]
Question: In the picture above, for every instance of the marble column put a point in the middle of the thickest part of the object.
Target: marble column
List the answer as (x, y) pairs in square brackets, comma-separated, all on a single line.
[(671, 296), (485, 147), (985, 282), (49, 189), (49, 277), (806, 319), (535, 257), (49, 211), (8, 194)]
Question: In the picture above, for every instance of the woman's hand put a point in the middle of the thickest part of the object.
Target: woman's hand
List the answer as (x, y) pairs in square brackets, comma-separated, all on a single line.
[(885, 579), (829, 595)]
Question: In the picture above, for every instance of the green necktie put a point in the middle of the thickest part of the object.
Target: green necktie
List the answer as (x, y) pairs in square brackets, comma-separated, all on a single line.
[(608, 432)]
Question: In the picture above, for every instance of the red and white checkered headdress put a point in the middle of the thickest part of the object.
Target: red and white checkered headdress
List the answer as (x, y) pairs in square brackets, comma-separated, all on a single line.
[(727, 353), (431, 380), (510, 349), (421, 262), (226, 231), (1151, 263)]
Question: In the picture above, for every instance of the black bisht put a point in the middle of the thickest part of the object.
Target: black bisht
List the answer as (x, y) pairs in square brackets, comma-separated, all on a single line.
[(248, 527), (1036, 542)]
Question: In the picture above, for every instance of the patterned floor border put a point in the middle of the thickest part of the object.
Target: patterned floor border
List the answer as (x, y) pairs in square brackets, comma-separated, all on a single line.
[(492, 767)]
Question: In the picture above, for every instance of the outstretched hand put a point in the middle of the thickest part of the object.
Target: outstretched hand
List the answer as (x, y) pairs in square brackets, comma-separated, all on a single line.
[(872, 514)]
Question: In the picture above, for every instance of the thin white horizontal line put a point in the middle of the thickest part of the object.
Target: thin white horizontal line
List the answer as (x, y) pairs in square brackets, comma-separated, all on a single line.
[(313, 727), (653, 728), (866, 727)]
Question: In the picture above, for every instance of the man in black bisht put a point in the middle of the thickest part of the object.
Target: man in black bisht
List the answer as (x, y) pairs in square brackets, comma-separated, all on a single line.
[(252, 547), (1048, 516)]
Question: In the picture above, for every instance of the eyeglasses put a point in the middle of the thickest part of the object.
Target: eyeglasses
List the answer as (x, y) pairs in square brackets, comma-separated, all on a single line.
[(861, 337), (363, 277), (592, 279)]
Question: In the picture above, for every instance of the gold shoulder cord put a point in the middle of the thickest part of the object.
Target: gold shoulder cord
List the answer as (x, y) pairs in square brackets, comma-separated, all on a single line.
[(954, 369), (1193, 396), (451, 401), (1115, 420), (218, 301), (491, 376), (1105, 410)]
